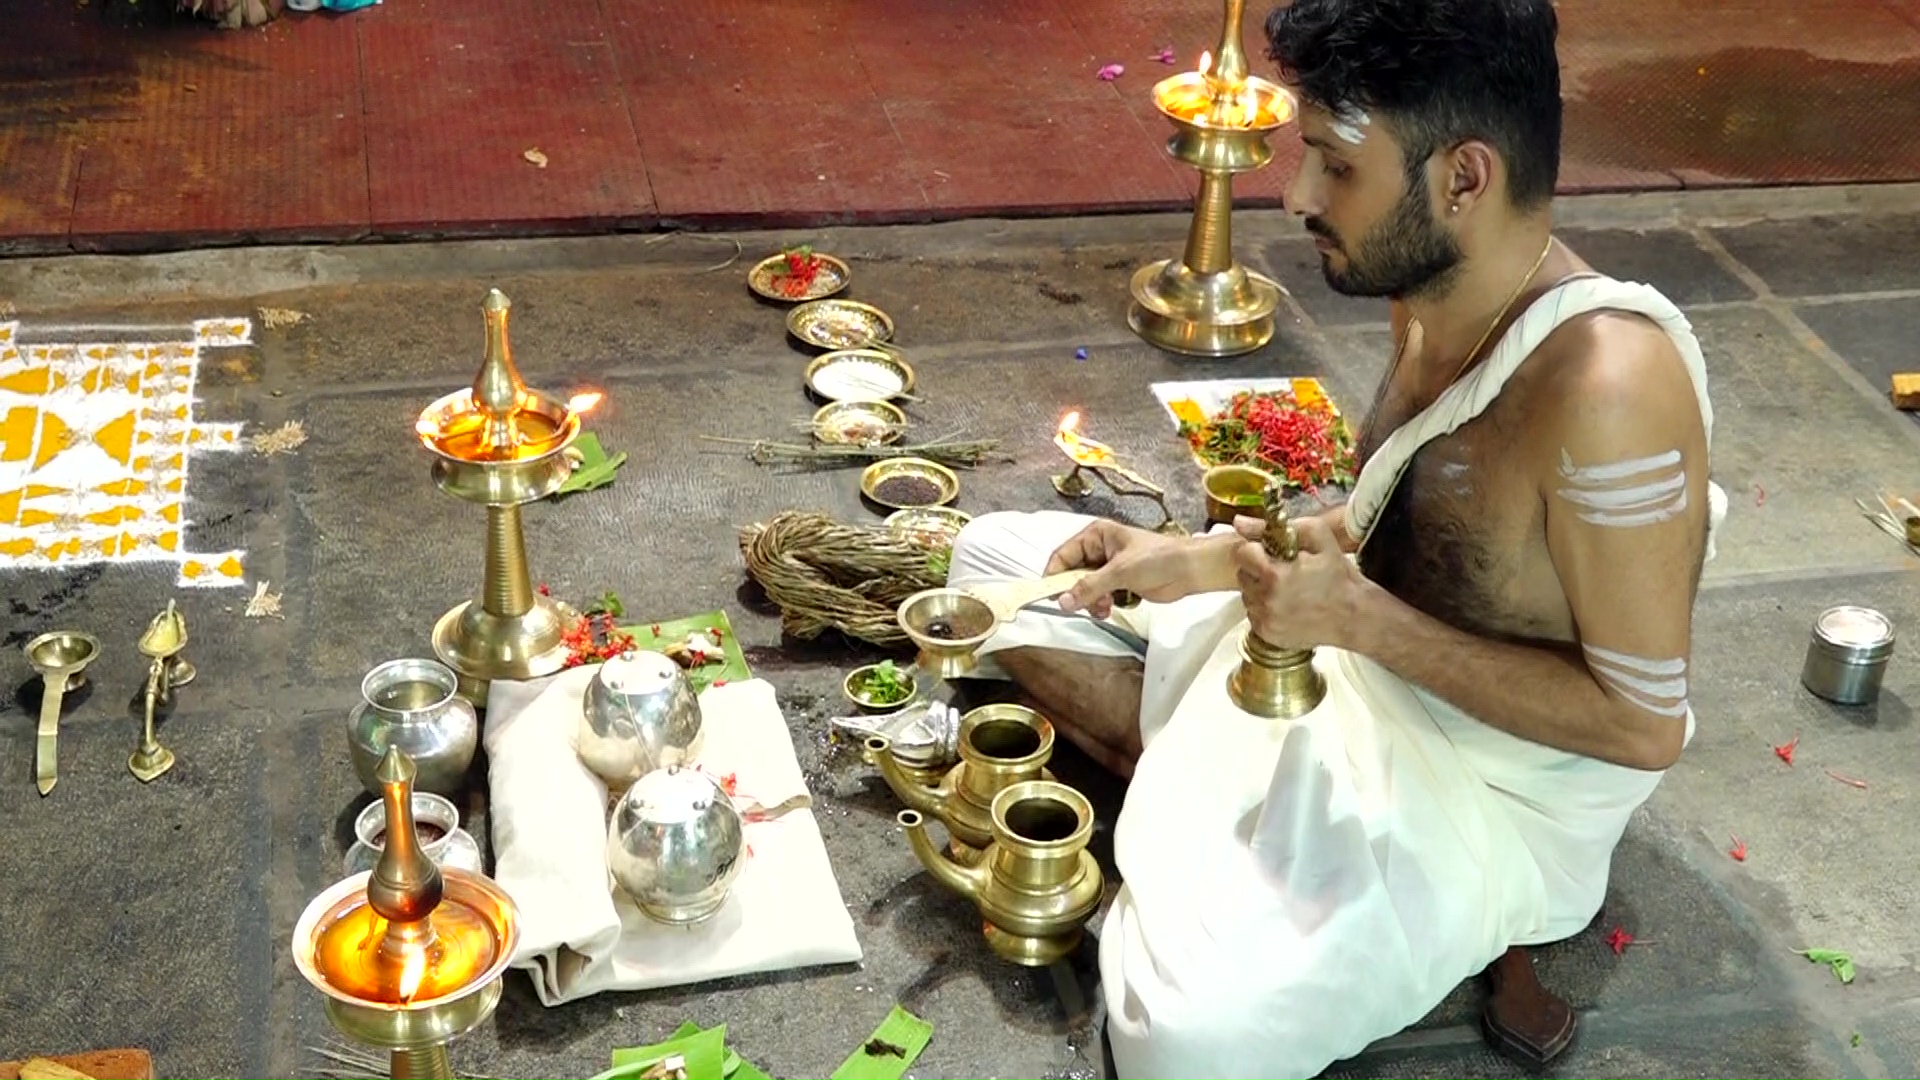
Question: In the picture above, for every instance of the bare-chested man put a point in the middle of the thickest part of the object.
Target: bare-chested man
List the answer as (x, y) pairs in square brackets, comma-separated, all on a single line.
[(1502, 608)]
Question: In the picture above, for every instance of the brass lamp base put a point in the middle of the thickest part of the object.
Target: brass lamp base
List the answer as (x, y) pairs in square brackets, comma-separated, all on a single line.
[(1279, 684), (1226, 313), (481, 646)]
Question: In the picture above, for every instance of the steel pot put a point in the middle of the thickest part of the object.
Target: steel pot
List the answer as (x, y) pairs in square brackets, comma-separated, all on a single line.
[(639, 714), (675, 844), (1848, 654), (415, 705)]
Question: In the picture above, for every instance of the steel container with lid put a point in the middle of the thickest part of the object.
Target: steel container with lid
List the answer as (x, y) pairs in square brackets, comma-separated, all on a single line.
[(1848, 654)]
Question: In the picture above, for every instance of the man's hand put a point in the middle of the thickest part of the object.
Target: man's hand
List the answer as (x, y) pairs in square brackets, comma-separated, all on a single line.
[(1150, 565), (1304, 603)]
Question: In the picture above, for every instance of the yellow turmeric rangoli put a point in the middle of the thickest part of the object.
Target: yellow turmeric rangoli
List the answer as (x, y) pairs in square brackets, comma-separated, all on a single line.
[(95, 440)]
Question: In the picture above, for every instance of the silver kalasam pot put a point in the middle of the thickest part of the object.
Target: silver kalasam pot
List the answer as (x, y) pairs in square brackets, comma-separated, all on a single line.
[(1848, 654), (675, 845), (639, 714), (413, 704)]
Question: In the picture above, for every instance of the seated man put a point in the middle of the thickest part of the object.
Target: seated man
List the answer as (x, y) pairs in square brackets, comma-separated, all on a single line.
[(1502, 609)]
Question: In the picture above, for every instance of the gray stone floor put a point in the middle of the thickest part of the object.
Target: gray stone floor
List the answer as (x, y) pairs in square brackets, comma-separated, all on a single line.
[(159, 915)]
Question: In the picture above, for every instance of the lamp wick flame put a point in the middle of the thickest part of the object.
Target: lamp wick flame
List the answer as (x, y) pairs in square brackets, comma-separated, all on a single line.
[(413, 969), (584, 401), (1206, 63), (1069, 422)]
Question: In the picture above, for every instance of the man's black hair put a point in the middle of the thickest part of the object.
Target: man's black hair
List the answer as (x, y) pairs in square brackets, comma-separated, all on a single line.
[(1440, 70)]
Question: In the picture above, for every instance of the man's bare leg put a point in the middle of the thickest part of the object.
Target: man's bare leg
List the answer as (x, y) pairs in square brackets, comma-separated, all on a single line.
[(1092, 700)]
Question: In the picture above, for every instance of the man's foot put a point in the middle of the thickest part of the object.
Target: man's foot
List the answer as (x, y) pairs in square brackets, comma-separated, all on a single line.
[(1523, 1018)]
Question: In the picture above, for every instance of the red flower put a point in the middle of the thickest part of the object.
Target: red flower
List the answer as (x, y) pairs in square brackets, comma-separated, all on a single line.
[(1785, 750), (1739, 850), (1619, 940)]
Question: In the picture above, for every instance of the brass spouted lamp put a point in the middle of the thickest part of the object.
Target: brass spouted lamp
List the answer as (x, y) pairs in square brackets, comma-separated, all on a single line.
[(1270, 681)]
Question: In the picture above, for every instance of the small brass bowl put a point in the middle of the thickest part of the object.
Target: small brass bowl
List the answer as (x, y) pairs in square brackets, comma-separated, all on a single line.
[(833, 276), (966, 622), (866, 701), (929, 526), (839, 324), (1226, 485), (941, 477), (843, 423)]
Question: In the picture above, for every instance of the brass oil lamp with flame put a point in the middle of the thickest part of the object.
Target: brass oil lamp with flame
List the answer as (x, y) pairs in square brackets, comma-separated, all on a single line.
[(1091, 456), (1272, 682), (502, 445), (409, 955), (1205, 303)]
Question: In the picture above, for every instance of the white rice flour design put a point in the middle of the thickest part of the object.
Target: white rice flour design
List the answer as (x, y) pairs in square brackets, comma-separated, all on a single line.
[(1642, 491), (1658, 686), (95, 440)]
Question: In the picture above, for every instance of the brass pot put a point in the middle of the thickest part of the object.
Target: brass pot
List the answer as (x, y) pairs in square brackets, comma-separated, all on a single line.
[(1000, 745), (1226, 485), (1035, 884)]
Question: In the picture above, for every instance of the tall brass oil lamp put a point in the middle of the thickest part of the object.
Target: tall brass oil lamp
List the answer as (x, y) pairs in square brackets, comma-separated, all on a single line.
[(1205, 303), (501, 445), (409, 955), (1270, 681)]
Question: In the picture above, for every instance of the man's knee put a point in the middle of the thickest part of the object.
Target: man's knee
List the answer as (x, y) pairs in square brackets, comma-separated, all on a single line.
[(1009, 544)]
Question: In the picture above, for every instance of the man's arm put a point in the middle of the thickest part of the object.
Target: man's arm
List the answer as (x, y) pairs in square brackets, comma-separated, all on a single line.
[(1622, 468)]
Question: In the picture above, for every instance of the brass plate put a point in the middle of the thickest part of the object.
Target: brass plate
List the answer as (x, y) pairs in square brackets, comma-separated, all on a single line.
[(859, 375), (844, 422), (923, 524), (765, 279), (932, 471), (839, 324)]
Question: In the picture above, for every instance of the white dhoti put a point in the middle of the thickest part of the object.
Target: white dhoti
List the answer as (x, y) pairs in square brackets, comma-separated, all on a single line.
[(1295, 891)]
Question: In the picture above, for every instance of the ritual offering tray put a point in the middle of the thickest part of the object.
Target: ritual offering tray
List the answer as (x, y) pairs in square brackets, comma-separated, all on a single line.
[(859, 423), (840, 324), (859, 375), (906, 482), (799, 274), (929, 526), (1287, 428)]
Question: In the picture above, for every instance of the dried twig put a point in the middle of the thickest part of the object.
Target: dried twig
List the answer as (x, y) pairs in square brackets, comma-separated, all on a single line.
[(1847, 780), (965, 453), (273, 318)]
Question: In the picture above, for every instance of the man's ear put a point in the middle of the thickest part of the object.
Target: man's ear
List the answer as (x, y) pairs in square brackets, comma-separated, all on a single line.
[(1467, 173)]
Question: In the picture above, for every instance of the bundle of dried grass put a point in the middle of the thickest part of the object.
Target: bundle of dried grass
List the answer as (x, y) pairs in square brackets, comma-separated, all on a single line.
[(825, 575)]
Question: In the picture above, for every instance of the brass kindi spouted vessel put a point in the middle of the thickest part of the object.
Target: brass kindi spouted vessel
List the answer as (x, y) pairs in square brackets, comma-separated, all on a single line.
[(1271, 681), (1035, 884), (1000, 745)]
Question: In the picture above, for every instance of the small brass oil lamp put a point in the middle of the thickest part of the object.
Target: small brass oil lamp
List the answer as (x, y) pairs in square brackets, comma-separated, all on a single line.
[(1270, 681), (409, 955), (502, 445), (1205, 303), (1097, 458)]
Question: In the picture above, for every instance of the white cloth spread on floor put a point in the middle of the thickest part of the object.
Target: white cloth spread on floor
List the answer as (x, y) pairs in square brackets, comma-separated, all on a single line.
[(1295, 891), (580, 935)]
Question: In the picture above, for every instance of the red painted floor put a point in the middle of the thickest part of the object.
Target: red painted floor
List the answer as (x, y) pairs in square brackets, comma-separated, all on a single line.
[(414, 118)]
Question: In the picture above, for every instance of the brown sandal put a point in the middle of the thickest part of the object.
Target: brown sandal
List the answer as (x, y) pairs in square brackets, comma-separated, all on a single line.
[(1523, 1019)]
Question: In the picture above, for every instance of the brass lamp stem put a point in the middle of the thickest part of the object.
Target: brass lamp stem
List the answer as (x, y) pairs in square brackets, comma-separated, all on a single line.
[(428, 1064), (1210, 236), (1270, 681), (1230, 60), (509, 586)]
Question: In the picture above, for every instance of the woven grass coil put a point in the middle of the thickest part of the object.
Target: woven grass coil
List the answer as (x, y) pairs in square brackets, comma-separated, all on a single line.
[(828, 575)]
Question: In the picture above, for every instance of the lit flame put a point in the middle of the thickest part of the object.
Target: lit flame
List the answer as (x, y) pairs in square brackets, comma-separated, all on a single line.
[(1206, 63), (426, 428), (584, 401), (1069, 422), (1079, 449), (412, 970)]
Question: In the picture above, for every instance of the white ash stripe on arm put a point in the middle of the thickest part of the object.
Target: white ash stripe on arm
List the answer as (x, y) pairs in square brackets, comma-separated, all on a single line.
[(1658, 686), (1623, 494)]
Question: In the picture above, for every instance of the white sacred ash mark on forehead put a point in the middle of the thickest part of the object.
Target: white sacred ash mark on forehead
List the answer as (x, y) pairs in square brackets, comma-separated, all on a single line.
[(1349, 125), (96, 435)]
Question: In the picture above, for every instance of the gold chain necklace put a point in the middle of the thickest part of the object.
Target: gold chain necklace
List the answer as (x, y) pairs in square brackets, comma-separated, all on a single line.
[(1400, 349)]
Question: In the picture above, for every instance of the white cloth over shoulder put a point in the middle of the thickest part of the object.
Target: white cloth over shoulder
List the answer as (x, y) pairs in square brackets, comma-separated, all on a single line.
[(1295, 891), (579, 935)]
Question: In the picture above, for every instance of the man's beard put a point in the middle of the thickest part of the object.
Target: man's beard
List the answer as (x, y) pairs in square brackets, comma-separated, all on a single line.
[(1406, 254)]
